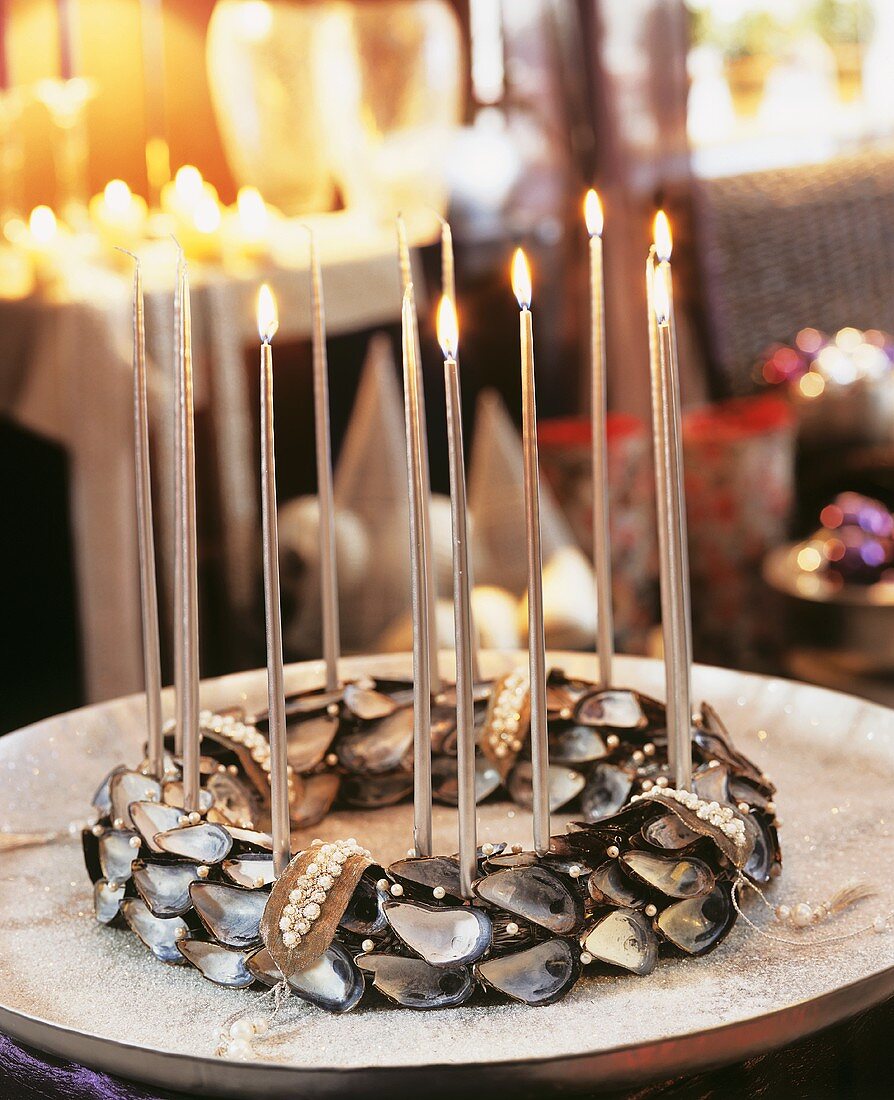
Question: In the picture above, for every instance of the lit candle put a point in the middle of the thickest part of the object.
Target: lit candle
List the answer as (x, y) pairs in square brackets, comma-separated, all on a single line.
[(521, 286), (422, 841), (195, 207), (279, 792), (602, 560), (119, 215), (325, 490), (186, 589), (148, 591), (670, 501), (253, 222), (448, 338), (431, 593)]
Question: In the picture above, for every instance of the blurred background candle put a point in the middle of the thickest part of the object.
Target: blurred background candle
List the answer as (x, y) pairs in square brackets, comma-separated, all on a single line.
[(119, 216)]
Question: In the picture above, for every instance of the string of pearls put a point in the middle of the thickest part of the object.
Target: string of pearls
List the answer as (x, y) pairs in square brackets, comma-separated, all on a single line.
[(721, 817)]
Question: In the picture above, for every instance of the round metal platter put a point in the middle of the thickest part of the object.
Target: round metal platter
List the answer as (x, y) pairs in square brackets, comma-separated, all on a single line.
[(95, 995)]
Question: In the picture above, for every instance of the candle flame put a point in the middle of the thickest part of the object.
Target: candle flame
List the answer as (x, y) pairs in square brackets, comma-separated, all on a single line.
[(593, 214), (521, 279), (448, 327), (189, 184), (206, 215), (117, 196), (252, 211), (268, 318), (661, 234), (42, 224), (661, 293)]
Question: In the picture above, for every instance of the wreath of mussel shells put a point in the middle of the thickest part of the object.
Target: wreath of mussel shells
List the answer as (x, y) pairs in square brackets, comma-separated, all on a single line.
[(646, 871)]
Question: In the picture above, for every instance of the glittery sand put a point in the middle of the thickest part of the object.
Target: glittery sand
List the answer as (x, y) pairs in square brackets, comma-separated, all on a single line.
[(831, 756)]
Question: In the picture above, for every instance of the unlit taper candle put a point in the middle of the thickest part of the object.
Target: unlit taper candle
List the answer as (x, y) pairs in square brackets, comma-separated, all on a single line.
[(521, 286), (145, 536), (325, 490), (422, 839), (671, 528), (187, 588), (276, 699), (431, 593), (448, 338), (602, 561)]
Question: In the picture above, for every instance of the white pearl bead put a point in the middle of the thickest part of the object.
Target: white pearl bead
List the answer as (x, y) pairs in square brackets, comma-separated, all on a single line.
[(575, 871), (134, 842), (367, 946), (397, 890), (880, 924), (802, 915), (586, 958), (512, 928), (203, 871), (260, 1024), (383, 884), (240, 1050), (242, 1029), (651, 910), (439, 892), (783, 912), (612, 851)]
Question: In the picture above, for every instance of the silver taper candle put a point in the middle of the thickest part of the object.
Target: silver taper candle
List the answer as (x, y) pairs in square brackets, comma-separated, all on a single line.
[(431, 592), (146, 535), (179, 686), (422, 688), (671, 528), (602, 549), (325, 490), (276, 697), (187, 617), (521, 285), (448, 337)]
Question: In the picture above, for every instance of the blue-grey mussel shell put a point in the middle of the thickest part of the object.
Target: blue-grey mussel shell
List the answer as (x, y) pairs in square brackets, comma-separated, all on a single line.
[(608, 789), (231, 914), (564, 784), (535, 894), (425, 873), (332, 982), (380, 747), (414, 983), (623, 938), (161, 935), (365, 914), (445, 783), (202, 843), (250, 869), (218, 964), (697, 925), (539, 975), (107, 901), (669, 832), (126, 787), (369, 792), (675, 876), (151, 818), (165, 886), (608, 885), (116, 855), (613, 709), (442, 935)]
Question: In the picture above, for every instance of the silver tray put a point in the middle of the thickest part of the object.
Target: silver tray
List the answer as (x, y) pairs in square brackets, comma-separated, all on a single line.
[(94, 995)]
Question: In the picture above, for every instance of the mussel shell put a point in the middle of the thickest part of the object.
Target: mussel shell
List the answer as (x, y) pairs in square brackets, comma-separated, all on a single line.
[(263, 968), (711, 784), (126, 787), (233, 798), (90, 845), (172, 794), (332, 982), (305, 702), (102, 798), (576, 744), (442, 935), (218, 964), (250, 840), (674, 876), (165, 886), (428, 872), (539, 975), (623, 938), (160, 934), (318, 792), (152, 818), (758, 867), (697, 925), (116, 856), (364, 915), (308, 741), (367, 704), (745, 790), (612, 709), (369, 792), (608, 884), (607, 789), (564, 785), (445, 783), (500, 861), (669, 832), (414, 983), (202, 843), (380, 747), (250, 870), (106, 901), (535, 894), (232, 915)]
